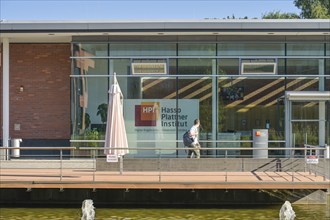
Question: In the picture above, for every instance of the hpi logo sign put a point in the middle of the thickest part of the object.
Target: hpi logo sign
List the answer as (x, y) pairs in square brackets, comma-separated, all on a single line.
[(147, 114), (148, 109), (261, 133)]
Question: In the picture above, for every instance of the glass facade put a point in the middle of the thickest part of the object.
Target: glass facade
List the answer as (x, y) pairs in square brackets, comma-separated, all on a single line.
[(232, 87)]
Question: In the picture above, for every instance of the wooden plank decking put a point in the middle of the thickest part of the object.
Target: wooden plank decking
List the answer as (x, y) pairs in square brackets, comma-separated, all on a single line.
[(88, 179)]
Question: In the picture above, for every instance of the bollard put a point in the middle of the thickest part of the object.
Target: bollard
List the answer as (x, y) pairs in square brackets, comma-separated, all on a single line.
[(15, 142), (260, 140)]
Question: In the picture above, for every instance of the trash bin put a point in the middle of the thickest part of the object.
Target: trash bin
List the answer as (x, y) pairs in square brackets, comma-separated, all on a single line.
[(15, 142), (260, 141)]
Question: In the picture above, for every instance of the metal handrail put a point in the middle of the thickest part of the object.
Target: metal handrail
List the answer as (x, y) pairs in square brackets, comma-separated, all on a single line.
[(316, 169), (179, 141), (39, 148), (167, 148)]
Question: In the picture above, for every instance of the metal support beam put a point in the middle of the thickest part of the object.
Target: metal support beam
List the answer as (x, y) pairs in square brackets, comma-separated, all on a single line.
[(322, 105), (214, 103), (5, 92), (322, 120), (288, 129)]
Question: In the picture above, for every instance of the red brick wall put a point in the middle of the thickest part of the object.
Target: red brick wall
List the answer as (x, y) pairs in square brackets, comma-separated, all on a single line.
[(1, 95), (43, 109)]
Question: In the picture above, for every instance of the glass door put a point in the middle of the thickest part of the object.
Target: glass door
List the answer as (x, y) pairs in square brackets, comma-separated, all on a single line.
[(306, 120), (305, 125)]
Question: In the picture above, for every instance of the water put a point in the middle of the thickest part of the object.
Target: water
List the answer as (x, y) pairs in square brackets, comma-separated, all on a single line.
[(303, 212), (87, 210), (286, 212)]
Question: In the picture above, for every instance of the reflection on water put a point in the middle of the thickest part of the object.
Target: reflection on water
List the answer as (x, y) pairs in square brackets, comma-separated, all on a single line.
[(303, 212)]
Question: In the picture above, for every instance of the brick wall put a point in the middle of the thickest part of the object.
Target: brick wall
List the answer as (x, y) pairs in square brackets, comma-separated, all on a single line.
[(1, 95), (42, 110)]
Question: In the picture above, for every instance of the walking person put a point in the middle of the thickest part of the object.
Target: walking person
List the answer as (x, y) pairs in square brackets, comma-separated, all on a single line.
[(195, 144)]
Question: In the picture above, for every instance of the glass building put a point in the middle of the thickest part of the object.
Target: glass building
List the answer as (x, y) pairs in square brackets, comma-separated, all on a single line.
[(234, 75)]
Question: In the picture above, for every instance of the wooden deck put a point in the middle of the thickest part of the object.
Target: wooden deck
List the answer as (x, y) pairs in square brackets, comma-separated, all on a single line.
[(88, 179)]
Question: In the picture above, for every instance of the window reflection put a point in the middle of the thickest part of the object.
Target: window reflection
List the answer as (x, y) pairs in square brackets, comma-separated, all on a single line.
[(302, 67), (228, 104), (196, 49), (150, 49), (251, 49), (305, 49), (228, 66), (195, 66), (88, 49)]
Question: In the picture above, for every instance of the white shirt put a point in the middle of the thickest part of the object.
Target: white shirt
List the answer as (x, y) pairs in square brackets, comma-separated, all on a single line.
[(194, 133)]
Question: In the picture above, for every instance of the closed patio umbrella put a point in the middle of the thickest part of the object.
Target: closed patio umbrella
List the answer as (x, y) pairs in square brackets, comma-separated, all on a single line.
[(115, 136)]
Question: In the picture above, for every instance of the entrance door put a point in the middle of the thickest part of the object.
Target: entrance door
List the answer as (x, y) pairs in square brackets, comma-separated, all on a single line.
[(306, 119)]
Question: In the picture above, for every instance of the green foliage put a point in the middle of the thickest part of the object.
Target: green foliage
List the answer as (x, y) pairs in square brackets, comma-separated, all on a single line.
[(312, 9), (206, 115), (245, 138), (102, 110), (221, 114), (280, 15), (92, 135), (233, 17), (274, 135), (87, 120), (301, 132)]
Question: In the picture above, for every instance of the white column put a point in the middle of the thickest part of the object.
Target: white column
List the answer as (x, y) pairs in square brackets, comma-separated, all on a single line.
[(5, 92), (214, 103), (322, 119), (321, 73), (322, 114), (288, 129)]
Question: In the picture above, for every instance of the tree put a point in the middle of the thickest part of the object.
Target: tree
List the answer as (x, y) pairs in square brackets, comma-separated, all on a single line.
[(279, 15), (102, 110), (313, 8)]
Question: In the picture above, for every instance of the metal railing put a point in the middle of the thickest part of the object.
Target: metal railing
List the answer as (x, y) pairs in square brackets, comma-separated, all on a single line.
[(91, 167)]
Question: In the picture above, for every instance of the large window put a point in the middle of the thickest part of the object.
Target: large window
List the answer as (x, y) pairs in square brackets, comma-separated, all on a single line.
[(196, 49), (90, 49), (302, 66), (197, 92), (91, 66), (246, 104), (228, 66), (305, 49), (195, 66), (150, 49), (258, 66), (202, 80), (251, 49), (88, 93), (305, 124)]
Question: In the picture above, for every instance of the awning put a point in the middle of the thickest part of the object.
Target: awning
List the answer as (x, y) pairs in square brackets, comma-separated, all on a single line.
[(308, 95)]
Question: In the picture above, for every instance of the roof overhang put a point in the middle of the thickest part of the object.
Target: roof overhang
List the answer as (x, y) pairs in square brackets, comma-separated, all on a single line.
[(62, 31)]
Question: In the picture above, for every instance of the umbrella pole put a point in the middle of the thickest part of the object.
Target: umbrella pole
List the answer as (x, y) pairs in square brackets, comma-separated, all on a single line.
[(121, 164)]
